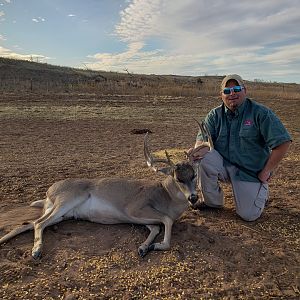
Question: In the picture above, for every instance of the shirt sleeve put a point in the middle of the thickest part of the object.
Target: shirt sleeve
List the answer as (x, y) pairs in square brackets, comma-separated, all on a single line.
[(273, 131)]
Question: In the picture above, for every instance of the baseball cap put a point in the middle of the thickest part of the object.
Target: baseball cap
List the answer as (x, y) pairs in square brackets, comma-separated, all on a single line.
[(235, 77)]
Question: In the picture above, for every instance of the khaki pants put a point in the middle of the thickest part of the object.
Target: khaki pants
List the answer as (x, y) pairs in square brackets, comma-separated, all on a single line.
[(250, 197)]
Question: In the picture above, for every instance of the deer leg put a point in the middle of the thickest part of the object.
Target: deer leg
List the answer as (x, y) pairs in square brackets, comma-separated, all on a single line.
[(53, 218), (165, 244), (54, 214), (154, 231), (15, 232), (148, 215)]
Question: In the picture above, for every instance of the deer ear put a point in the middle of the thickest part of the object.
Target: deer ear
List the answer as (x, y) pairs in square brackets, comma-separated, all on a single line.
[(166, 170)]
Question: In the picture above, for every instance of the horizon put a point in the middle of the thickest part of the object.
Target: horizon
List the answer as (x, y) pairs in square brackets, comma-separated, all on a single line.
[(160, 37)]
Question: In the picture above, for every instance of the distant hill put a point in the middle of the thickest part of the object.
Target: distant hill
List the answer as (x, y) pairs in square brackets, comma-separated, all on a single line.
[(27, 75), (26, 70), (13, 68), (21, 75)]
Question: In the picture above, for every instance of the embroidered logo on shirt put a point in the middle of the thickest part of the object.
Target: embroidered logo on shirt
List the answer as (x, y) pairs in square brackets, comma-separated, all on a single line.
[(248, 122)]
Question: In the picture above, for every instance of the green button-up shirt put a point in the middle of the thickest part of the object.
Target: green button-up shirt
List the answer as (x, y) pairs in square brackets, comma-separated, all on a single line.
[(246, 137)]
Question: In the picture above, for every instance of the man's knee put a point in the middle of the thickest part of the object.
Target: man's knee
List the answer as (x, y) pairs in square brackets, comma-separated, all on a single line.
[(250, 216), (251, 200)]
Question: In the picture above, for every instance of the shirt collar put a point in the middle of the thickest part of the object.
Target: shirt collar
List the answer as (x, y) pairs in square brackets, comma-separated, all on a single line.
[(237, 112)]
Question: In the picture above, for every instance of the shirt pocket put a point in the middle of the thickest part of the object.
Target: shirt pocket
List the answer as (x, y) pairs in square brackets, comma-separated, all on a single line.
[(249, 139)]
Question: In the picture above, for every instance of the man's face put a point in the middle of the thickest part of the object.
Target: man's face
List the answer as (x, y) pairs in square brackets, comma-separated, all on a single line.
[(234, 99)]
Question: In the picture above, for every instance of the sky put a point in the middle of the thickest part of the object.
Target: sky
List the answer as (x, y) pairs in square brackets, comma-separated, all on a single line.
[(256, 39)]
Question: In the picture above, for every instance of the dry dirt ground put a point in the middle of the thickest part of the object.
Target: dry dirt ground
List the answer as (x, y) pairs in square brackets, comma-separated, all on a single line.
[(214, 254)]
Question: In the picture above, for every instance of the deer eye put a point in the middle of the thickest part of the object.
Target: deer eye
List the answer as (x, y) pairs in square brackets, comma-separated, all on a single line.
[(180, 181)]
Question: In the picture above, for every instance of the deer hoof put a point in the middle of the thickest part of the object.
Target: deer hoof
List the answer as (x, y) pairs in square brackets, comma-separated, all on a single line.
[(36, 254), (142, 251)]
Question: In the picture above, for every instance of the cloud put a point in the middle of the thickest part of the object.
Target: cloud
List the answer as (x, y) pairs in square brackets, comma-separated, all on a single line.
[(2, 38), (4, 52), (2, 13), (71, 15), (139, 20), (112, 61), (38, 20), (206, 37), (284, 55)]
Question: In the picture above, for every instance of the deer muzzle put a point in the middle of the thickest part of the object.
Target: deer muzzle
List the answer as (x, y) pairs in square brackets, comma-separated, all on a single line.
[(193, 198)]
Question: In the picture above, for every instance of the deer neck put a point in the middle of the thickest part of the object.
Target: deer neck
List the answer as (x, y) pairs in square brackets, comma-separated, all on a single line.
[(178, 203), (173, 190)]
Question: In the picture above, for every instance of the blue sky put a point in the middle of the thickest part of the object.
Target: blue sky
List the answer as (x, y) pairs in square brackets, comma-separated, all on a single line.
[(256, 39)]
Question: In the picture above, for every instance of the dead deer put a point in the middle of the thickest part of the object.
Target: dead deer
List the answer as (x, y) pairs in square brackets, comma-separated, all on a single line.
[(115, 200)]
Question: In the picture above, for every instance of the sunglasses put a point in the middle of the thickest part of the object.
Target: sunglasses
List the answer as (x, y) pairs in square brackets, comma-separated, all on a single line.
[(236, 89)]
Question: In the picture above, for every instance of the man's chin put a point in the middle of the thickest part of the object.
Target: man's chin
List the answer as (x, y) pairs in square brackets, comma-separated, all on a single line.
[(233, 106)]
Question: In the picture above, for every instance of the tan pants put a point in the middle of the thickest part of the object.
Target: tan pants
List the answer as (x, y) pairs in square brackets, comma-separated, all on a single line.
[(250, 197)]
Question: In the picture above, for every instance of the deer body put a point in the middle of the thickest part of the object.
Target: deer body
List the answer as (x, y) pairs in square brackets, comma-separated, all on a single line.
[(116, 200)]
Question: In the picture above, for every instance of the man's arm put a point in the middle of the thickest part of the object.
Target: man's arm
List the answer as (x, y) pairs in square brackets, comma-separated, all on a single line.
[(275, 157)]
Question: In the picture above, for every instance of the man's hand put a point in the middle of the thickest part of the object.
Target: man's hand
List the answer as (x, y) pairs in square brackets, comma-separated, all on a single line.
[(276, 156), (264, 176), (197, 153)]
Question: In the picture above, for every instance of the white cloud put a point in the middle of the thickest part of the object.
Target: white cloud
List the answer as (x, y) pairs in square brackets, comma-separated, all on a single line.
[(108, 60), (4, 52), (284, 55), (2, 13), (139, 20), (71, 15), (38, 20), (201, 36), (2, 38)]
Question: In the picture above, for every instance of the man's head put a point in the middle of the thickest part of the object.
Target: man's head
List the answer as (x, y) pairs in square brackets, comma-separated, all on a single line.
[(233, 91)]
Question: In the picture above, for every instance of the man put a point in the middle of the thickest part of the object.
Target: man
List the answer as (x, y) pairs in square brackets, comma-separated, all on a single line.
[(249, 142)]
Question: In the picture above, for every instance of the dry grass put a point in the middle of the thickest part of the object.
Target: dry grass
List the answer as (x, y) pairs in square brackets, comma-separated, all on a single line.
[(43, 78)]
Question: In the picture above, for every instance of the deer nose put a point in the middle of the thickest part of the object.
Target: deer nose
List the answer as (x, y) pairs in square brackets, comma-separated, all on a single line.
[(193, 198)]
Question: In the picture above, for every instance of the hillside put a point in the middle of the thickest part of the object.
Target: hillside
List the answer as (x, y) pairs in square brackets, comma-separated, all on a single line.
[(27, 76)]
